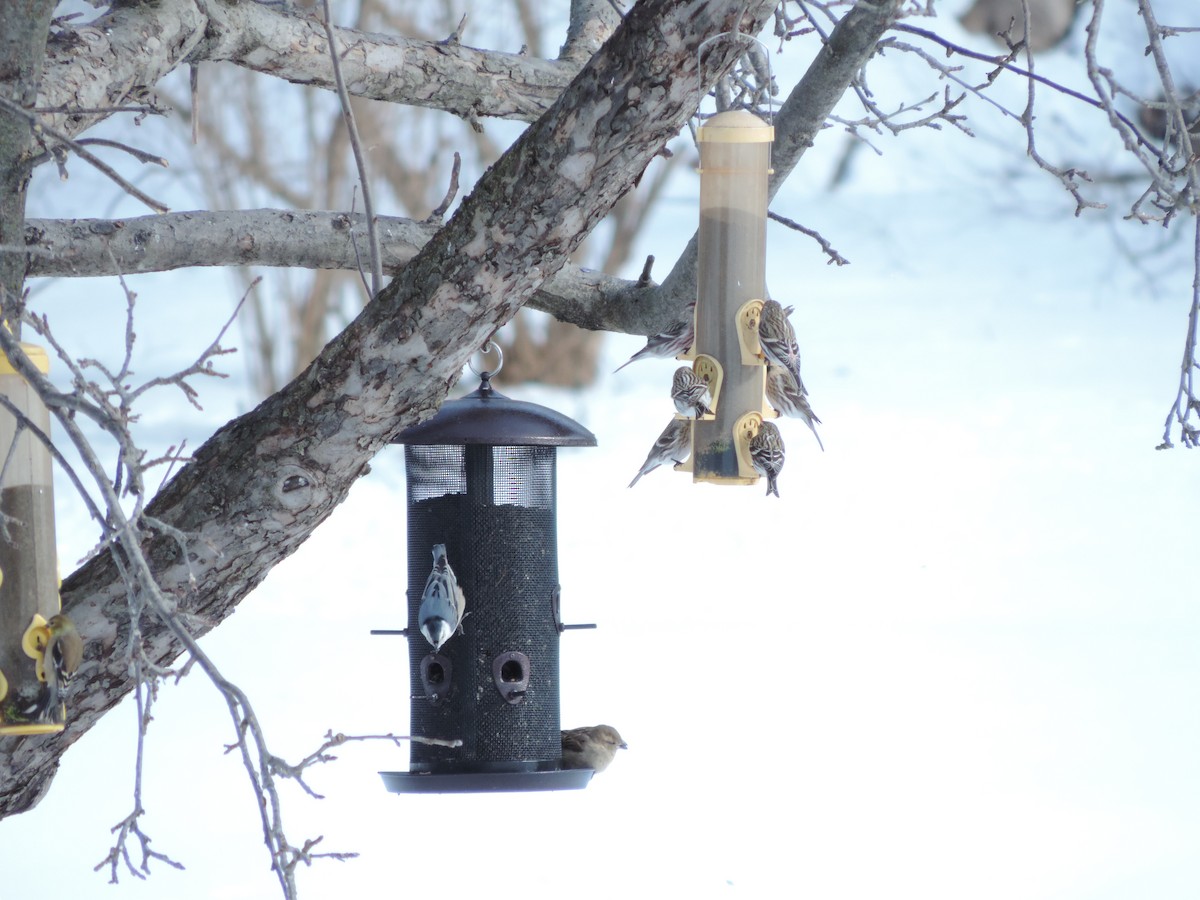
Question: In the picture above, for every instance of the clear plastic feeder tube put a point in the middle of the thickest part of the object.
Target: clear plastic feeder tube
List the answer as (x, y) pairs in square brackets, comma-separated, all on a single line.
[(735, 162)]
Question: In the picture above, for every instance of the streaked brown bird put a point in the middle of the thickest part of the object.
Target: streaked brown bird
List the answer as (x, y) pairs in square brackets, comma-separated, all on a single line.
[(766, 453), (673, 445), (690, 393), (591, 747), (789, 400), (777, 339), (676, 339)]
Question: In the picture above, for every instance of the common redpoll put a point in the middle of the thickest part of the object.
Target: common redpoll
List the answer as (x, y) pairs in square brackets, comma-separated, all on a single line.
[(442, 602), (667, 344), (690, 393), (789, 400), (778, 340), (60, 660), (673, 445), (766, 453), (592, 747)]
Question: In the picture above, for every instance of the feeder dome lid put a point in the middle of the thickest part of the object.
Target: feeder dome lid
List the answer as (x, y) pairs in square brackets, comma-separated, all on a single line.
[(736, 126), (486, 416)]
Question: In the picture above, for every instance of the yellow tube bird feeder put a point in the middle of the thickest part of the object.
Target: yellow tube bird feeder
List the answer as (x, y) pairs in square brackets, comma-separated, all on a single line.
[(28, 564), (735, 162)]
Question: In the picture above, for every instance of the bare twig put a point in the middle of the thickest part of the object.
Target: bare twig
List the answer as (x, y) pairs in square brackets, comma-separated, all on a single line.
[(141, 156), (39, 128), (128, 827), (203, 364), (451, 189), (1070, 178), (1154, 162), (295, 771), (1004, 63), (1185, 410), (644, 278), (834, 256), (194, 107), (360, 159)]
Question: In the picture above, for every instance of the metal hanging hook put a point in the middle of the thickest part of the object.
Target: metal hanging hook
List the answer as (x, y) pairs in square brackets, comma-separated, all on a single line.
[(484, 351)]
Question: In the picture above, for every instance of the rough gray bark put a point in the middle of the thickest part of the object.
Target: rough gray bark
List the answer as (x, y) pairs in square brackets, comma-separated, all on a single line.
[(135, 45), (22, 48), (306, 239), (116, 60), (441, 75), (311, 240), (395, 363)]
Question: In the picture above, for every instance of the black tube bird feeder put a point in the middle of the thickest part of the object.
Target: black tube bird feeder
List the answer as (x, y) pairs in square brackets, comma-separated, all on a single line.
[(481, 486)]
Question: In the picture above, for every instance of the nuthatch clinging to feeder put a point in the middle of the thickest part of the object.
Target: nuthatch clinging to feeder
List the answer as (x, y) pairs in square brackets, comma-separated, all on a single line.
[(592, 747), (766, 453), (673, 445), (60, 660), (442, 602), (778, 340), (676, 339), (690, 393), (789, 400)]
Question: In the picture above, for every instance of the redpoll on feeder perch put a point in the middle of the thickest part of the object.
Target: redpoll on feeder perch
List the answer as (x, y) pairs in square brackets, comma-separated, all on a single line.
[(483, 615), (29, 696)]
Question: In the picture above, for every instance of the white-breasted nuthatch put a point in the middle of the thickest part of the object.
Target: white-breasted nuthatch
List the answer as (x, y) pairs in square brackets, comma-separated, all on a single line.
[(442, 602)]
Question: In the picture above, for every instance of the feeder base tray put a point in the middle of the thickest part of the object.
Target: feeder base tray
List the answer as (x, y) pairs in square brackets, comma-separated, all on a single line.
[(485, 782)]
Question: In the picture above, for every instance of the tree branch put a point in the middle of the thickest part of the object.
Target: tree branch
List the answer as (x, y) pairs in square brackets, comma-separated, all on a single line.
[(307, 240), (129, 49), (322, 239)]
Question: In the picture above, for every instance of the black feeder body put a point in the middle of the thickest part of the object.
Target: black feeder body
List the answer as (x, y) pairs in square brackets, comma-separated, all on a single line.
[(481, 480)]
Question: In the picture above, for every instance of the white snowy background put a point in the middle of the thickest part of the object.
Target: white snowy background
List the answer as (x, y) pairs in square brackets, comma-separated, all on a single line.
[(958, 657)]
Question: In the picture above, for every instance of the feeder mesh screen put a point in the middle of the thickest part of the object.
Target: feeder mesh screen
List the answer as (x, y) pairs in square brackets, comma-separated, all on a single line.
[(493, 508)]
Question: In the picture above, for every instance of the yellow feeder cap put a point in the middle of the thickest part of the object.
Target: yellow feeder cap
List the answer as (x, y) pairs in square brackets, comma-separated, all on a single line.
[(736, 126), (37, 355)]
